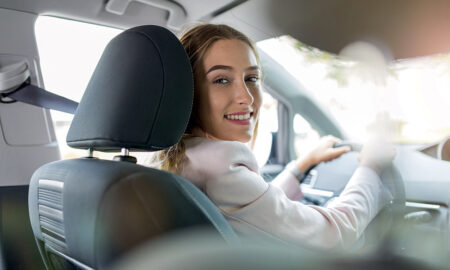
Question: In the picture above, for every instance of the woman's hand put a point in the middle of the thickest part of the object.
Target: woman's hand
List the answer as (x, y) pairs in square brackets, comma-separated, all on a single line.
[(376, 155), (323, 151)]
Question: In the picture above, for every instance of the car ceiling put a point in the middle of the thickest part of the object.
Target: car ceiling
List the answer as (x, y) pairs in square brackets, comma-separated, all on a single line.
[(407, 28), (137, 13)]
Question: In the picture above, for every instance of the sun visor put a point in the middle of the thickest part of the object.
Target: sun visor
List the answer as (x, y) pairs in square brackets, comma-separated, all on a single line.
[(139, 96)]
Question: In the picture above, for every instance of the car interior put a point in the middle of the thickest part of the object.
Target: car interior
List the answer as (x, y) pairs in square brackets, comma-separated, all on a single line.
[(101, 207)]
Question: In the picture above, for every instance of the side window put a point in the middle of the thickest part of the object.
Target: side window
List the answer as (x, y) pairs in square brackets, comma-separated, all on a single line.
[(267, 126), (304, 135), (69, 52)]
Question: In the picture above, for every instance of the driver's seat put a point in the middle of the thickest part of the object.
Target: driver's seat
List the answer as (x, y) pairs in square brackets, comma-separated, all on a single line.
[(86, 213)]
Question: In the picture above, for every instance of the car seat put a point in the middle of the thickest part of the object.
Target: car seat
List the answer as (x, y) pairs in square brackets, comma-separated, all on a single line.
[(87, 212)]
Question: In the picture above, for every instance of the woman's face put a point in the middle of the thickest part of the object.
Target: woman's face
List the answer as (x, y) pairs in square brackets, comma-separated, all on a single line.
[(228, 94)]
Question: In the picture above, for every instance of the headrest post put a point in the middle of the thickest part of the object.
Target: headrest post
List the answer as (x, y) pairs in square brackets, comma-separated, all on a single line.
[(125, 156), (90, 153), (125, 152)]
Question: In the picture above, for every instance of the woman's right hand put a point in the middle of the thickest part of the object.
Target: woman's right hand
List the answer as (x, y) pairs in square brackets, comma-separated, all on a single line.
[(323, 151), (376, 154)]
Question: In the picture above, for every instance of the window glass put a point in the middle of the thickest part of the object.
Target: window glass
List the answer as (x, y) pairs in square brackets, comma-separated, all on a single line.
[(407, 100), (69, 52), (268, 124), (305, 137)]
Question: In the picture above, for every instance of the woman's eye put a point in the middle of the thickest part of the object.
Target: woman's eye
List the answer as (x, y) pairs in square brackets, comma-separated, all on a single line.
[(253, 79), (221, 81)]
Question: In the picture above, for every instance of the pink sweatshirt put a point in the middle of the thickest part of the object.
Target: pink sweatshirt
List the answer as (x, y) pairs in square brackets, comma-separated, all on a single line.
[(227, 172)]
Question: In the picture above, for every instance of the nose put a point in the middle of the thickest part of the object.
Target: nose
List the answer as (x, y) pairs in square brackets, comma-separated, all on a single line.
[(243, 94)]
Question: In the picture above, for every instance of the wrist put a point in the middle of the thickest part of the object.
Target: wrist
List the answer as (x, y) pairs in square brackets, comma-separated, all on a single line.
[(304, 163), (294, 170)]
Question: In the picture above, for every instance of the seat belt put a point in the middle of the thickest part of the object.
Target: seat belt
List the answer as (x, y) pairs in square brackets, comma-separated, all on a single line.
[(15, 86), (33, 95)]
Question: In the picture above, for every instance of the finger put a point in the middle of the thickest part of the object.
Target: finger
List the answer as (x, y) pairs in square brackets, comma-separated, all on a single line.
[(331, 138), (335, 140), (342, 150), (337, 152), (331, 141)]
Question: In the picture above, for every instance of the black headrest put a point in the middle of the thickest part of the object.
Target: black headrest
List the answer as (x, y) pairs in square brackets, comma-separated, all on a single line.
[(140, 94)]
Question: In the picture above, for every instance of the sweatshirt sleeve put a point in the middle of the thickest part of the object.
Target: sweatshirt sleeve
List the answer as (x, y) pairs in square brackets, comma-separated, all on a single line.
[(232, 181), (253, 206), (289, 184)]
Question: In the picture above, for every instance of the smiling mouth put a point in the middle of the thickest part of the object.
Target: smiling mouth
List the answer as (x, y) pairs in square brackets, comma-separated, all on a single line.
[(240, 118)]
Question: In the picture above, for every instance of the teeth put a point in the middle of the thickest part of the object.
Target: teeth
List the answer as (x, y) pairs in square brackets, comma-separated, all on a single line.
[(238, 117)]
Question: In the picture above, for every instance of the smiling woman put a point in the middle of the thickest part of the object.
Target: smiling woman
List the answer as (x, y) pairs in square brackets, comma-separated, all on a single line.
[(61, 52), (227, 88), (229, 95), (213, 155)]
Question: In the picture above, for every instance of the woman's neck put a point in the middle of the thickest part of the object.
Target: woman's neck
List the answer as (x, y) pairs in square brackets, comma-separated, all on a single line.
[(198, 132)]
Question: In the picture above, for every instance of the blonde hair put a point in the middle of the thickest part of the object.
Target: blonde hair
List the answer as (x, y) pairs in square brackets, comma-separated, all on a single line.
[(196, 41)]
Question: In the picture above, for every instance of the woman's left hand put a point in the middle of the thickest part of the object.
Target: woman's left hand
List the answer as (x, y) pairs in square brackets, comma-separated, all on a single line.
[(323, 151)]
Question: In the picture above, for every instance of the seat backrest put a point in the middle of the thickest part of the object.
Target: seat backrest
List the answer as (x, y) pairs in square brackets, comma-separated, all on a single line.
[(86, 213)]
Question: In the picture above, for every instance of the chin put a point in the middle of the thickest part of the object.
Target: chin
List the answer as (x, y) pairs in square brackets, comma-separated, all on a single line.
[(244, 138)]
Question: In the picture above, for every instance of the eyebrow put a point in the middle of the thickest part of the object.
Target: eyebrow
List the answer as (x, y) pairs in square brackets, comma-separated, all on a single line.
[(216, 67)]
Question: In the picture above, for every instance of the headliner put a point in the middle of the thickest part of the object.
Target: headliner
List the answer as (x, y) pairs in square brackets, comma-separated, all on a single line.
[(408, 28)]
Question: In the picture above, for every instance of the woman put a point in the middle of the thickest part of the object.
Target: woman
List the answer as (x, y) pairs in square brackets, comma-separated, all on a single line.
[(213, 153)]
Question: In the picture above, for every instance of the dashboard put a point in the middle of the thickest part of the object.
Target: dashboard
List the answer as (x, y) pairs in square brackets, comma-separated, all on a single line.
[(440, 150), (425, 226)]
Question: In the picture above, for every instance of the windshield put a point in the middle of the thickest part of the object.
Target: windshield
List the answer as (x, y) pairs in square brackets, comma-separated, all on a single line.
[(409, 99)]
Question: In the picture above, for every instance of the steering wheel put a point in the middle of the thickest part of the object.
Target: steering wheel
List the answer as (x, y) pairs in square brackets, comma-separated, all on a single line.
[(381, 228), (390, 176)]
